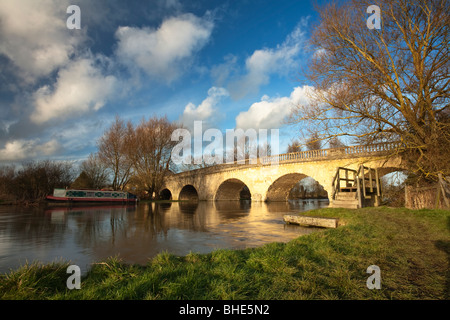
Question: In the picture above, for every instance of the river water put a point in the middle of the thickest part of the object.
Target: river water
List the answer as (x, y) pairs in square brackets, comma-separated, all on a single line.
[(84, 235)]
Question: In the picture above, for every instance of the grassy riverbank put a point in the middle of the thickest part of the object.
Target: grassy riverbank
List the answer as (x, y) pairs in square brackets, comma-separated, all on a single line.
[(412, 249)]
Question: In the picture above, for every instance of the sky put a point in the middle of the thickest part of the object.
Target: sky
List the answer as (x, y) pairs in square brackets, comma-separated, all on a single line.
[(230, 64)]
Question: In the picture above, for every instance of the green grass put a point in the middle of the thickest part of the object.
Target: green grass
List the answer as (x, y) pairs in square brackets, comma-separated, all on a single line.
[(412, 249)]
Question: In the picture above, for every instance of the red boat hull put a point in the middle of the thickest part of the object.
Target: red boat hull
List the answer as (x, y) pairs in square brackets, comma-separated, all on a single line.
[(64, 199)]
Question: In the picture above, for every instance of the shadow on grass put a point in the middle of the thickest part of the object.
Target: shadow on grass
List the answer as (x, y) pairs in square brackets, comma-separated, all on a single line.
[(445, 246)]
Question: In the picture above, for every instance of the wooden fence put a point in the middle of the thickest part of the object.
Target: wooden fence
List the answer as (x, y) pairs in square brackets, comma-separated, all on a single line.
[(434, 197)]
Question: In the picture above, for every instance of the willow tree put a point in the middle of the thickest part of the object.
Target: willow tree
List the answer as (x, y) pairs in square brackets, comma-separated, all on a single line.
[(388, 84)]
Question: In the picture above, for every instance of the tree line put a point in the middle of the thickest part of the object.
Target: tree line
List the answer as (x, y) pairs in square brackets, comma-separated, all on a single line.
[(130, 157), (140, 157), (127, 154), (34, 180)]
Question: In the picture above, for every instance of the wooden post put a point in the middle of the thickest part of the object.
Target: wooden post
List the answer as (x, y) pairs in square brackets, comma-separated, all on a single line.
[(339, 179), (407, 202), (346, 178), (378, 182), (442, 184), (363, 181), (438, 189), (358, 192), (333, 191)]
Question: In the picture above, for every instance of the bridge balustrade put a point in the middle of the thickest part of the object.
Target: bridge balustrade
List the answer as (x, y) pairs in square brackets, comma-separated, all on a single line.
[(324, 153), (311, 155)]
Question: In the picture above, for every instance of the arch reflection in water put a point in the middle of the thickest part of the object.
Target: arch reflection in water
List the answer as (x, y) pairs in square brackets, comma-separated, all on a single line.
[(189, 207), (137, 233)]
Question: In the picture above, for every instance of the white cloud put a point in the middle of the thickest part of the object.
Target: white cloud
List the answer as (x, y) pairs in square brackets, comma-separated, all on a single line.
[(171, 3), (17, 150), (163, 52), (80, 135), (220, 73), (59, 79), (204, 111), (269, 113), (265, 62), (80, 87), (34, 36), (319, 53)]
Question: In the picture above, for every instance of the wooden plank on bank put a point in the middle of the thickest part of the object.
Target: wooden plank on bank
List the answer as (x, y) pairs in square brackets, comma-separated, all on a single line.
[(312, 221)]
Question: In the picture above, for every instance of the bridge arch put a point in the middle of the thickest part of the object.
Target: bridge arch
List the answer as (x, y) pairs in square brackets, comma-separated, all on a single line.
[(165, 194), (233, 189), (280, 189), (188, 192), (384, 171), (321, 165)]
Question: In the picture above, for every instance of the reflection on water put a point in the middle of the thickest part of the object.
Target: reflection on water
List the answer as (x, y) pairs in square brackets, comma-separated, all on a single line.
[(84, 235)]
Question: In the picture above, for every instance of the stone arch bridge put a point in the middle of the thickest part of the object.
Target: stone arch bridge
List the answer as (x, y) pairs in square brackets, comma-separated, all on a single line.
[(272, 178)]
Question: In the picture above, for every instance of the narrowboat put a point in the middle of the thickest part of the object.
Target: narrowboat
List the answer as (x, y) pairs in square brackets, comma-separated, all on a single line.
[(99, 196)]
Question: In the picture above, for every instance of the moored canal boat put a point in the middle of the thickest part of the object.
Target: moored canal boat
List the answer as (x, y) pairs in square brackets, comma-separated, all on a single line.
[(91, 196)]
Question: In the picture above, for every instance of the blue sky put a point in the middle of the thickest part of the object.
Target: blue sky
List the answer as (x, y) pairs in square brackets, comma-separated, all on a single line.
[(227, 63)]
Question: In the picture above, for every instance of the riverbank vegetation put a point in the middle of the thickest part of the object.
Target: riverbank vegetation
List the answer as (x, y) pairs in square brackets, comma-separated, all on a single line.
[(33, 181), (411, 248), (137, 156)]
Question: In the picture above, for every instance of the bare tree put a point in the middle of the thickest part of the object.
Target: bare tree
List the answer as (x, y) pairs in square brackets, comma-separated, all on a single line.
[(7, 175), (248, 149), (96, 171), (150, 152), (264, 149), (384, 85), (113, 149), (193, 163), (294, 146), (314, 142), (37, 179), (335, 142)]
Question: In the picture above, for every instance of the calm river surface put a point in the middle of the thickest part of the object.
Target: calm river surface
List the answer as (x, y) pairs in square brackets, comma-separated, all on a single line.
[(83, 235)]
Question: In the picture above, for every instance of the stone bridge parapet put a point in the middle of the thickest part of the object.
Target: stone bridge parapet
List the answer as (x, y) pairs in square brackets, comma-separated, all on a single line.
[(271, 178)]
